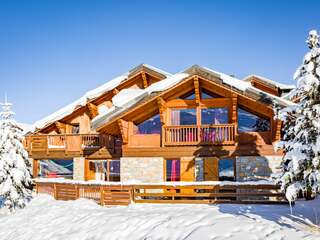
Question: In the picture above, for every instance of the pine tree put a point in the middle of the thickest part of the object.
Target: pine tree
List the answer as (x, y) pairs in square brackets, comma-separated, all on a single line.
[(15, 177), (301, 139)]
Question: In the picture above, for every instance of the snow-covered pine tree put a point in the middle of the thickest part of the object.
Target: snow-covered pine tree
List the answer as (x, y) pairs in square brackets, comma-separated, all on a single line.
[(15, 178), (301, 140)]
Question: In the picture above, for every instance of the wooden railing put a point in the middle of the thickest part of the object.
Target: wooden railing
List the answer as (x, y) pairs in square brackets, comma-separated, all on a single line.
[(233, 193), (217, 134), (69, 142), (117, 194)]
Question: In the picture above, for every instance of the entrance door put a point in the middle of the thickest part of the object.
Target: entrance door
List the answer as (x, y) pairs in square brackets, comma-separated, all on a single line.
[(211, 169)]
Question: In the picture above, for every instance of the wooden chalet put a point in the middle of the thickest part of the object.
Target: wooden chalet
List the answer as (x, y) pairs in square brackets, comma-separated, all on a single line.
[(151, 128)]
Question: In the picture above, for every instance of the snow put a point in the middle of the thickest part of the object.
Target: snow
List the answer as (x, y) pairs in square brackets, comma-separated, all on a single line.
[(277, 84), (47, 219), (127, 96)]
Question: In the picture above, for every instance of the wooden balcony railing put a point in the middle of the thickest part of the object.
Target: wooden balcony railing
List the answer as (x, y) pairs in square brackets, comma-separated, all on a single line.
[(69, 142), (218, 134)]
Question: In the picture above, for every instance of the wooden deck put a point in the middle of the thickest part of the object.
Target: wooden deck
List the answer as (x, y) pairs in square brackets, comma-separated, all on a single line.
[(116, 194), (62, 145)]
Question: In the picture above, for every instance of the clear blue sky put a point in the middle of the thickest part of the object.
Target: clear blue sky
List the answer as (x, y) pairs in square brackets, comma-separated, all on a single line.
[(51, 52)]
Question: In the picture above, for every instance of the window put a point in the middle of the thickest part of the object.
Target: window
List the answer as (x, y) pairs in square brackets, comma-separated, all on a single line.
[(172, 170), (205, 94), (106, 170), (248, 122), (150, 126), (75, 128), (214, 115), (56, 168), (189, 96), (114, 170), (226, 169), (183, 117)]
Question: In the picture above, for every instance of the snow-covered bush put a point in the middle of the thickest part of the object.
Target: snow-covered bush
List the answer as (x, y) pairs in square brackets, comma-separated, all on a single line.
[(301, 129), (15, 178)]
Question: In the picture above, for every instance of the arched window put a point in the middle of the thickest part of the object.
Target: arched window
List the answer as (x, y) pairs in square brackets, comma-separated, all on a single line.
[(249, 122)]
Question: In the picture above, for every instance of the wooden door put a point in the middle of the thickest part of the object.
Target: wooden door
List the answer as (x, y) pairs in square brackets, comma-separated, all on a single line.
[(187, 169), (211, 169), (187, 172)]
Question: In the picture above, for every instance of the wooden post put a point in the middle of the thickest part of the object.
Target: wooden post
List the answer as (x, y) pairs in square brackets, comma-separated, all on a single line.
[(144, 79), (235, 116), (101, 196), (54, 191)]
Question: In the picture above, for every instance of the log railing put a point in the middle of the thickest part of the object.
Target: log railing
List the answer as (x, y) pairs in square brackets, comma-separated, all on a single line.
[(69, 142), (217, 134), (117, 194)]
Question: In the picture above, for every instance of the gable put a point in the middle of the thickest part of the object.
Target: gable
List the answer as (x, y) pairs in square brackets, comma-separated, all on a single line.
[(141, 76), (148, 106)]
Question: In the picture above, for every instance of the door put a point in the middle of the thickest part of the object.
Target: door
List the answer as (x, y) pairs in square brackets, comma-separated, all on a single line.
[(211, 169), (187, 172)]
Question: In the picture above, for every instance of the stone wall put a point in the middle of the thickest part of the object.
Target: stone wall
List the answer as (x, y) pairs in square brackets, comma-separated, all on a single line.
[(256, 167), (144, 169), (78, 168)]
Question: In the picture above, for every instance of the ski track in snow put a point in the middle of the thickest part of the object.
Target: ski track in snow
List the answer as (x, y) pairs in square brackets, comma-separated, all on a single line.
[(45, 218)]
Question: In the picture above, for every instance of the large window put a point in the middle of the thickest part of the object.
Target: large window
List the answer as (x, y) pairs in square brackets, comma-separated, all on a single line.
[(183, 117), (173, 170), (106, 170), (248, 122), (56, 168), (214, 115), (226, 169), (150, 126)]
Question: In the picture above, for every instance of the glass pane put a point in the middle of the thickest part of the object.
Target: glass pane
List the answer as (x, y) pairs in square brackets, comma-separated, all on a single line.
[(214, 116), (207, 95), (150, 126), (56, 168), (248, 122), (226, 169), (114, 170), (173, 170), (183, 117), (189, 96)]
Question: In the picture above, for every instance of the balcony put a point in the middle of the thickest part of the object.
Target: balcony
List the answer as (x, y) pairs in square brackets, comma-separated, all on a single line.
[(70, 144), (188, 135)]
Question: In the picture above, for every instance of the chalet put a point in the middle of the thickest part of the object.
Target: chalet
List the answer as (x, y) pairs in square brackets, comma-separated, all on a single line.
[(148, 126)]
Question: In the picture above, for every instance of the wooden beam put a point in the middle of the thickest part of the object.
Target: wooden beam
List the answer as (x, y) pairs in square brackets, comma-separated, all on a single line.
[(92, 110), (115, 91), (162, 109), (61, 127), (123, 126), (196, 89), (144, 79), (278, 125)]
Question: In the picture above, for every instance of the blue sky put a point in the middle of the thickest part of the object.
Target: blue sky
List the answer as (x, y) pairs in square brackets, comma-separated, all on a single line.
[(51, 52)]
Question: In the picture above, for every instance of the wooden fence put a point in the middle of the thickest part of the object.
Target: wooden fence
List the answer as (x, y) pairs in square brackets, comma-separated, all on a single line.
[(125, 194)]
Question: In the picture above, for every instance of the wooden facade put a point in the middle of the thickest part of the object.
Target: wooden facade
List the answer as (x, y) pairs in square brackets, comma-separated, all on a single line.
[(182, 133)]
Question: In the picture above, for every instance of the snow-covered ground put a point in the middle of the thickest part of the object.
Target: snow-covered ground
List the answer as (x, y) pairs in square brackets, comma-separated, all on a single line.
[(46, 218)]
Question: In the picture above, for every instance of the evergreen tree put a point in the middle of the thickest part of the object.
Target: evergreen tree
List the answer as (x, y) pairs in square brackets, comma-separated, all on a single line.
[(301, 138), (15, 178)]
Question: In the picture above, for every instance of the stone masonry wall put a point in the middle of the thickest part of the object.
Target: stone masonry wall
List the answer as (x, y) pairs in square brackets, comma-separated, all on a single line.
[(144, 169), (78, 168), (256, 167)]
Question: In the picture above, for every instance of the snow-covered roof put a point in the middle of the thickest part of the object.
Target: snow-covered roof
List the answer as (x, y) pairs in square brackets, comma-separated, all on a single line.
[(26, 128), (282, 86), (170, 81), (90, 95)]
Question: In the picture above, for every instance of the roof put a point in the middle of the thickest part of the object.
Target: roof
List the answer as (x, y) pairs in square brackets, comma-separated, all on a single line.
[(270, 82), (243, 87), (94, 93)]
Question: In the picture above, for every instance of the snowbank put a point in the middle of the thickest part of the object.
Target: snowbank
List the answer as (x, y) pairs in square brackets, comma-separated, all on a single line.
[(48, 219)]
